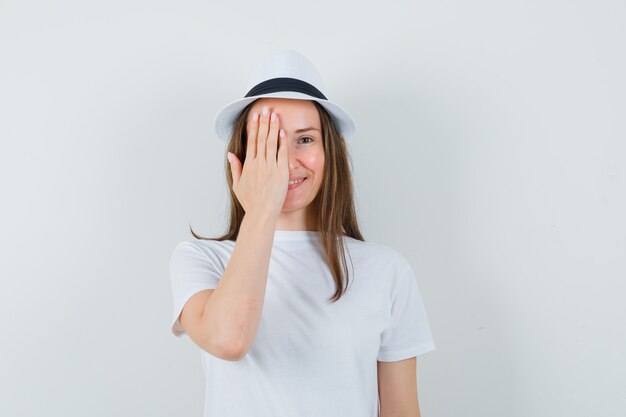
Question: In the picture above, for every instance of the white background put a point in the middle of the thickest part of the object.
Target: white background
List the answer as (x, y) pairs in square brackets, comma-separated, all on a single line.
[(490, 152)]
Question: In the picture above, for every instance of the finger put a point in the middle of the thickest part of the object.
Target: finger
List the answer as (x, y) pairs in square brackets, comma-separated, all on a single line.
[(283, 155), (272, 139), (253, 127), (261, 137), (235, 168)]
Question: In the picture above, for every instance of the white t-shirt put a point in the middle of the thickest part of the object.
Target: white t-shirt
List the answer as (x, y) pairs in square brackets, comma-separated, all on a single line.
[(310, 357)]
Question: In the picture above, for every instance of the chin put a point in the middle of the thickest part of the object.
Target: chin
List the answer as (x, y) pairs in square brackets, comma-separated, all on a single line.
[(293, 206)]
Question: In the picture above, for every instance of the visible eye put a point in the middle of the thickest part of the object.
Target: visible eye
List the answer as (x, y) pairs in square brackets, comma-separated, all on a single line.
[(307, 137)]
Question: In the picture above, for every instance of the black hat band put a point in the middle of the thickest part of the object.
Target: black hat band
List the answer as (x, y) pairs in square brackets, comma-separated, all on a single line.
[(285, 84)]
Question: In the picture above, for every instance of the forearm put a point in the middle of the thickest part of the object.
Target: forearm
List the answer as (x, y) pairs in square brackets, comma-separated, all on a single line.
[(233, 312)]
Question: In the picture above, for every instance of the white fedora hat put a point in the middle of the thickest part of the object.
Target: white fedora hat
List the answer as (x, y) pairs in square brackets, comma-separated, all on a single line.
[(285, 74)]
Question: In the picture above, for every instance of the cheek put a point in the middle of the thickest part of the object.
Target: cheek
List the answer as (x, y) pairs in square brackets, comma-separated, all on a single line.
[(319, 170), (317, 160), (317, 165)]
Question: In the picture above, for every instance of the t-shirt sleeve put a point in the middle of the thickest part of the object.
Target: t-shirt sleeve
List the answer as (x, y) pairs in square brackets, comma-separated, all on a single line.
[(191, 271), (408, 333)]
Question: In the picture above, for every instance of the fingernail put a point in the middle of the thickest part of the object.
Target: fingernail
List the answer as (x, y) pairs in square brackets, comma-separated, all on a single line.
[(265, 111), (282, 133), (255, 116), (273, 118), (230, 157)]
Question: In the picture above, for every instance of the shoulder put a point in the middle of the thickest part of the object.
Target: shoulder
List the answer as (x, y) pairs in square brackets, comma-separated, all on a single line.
[(205, 244), (378, 253), (213, 249)]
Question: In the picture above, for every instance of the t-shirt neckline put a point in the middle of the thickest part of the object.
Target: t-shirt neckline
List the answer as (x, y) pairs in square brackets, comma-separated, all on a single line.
[(296, 234)]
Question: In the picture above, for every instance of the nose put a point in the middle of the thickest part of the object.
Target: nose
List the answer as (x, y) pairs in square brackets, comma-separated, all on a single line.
[(292, 155)]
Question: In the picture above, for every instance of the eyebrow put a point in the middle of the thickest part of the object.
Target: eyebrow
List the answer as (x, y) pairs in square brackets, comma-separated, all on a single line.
[(306, 129)]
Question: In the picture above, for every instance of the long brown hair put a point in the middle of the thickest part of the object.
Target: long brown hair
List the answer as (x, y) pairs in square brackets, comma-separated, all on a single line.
[(334, 202)]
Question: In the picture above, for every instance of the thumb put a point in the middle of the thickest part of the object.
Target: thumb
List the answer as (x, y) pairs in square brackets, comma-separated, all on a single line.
[(235, 167)]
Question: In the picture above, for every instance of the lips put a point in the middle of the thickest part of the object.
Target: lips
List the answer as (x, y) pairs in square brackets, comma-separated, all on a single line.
[(297, 179), (296, 184)]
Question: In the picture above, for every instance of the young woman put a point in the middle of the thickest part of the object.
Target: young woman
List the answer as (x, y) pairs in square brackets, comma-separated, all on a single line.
[(295, 314)]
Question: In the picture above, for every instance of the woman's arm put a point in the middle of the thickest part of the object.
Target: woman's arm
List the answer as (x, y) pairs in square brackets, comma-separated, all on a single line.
[(397, 388), (233, 312)]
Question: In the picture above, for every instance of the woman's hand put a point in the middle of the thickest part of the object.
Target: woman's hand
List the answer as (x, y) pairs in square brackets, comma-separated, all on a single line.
[(263, 181)]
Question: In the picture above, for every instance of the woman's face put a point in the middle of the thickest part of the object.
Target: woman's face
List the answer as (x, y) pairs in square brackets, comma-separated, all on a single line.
[(303, 138)]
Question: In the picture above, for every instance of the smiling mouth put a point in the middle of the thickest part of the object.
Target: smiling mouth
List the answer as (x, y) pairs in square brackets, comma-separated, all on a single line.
[(297, 181)]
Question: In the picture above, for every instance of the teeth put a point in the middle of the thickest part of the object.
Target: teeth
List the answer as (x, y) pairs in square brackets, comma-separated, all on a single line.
[(296, 181)]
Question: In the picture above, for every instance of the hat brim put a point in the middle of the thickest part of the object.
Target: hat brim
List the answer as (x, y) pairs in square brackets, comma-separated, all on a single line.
[(225, 118)]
